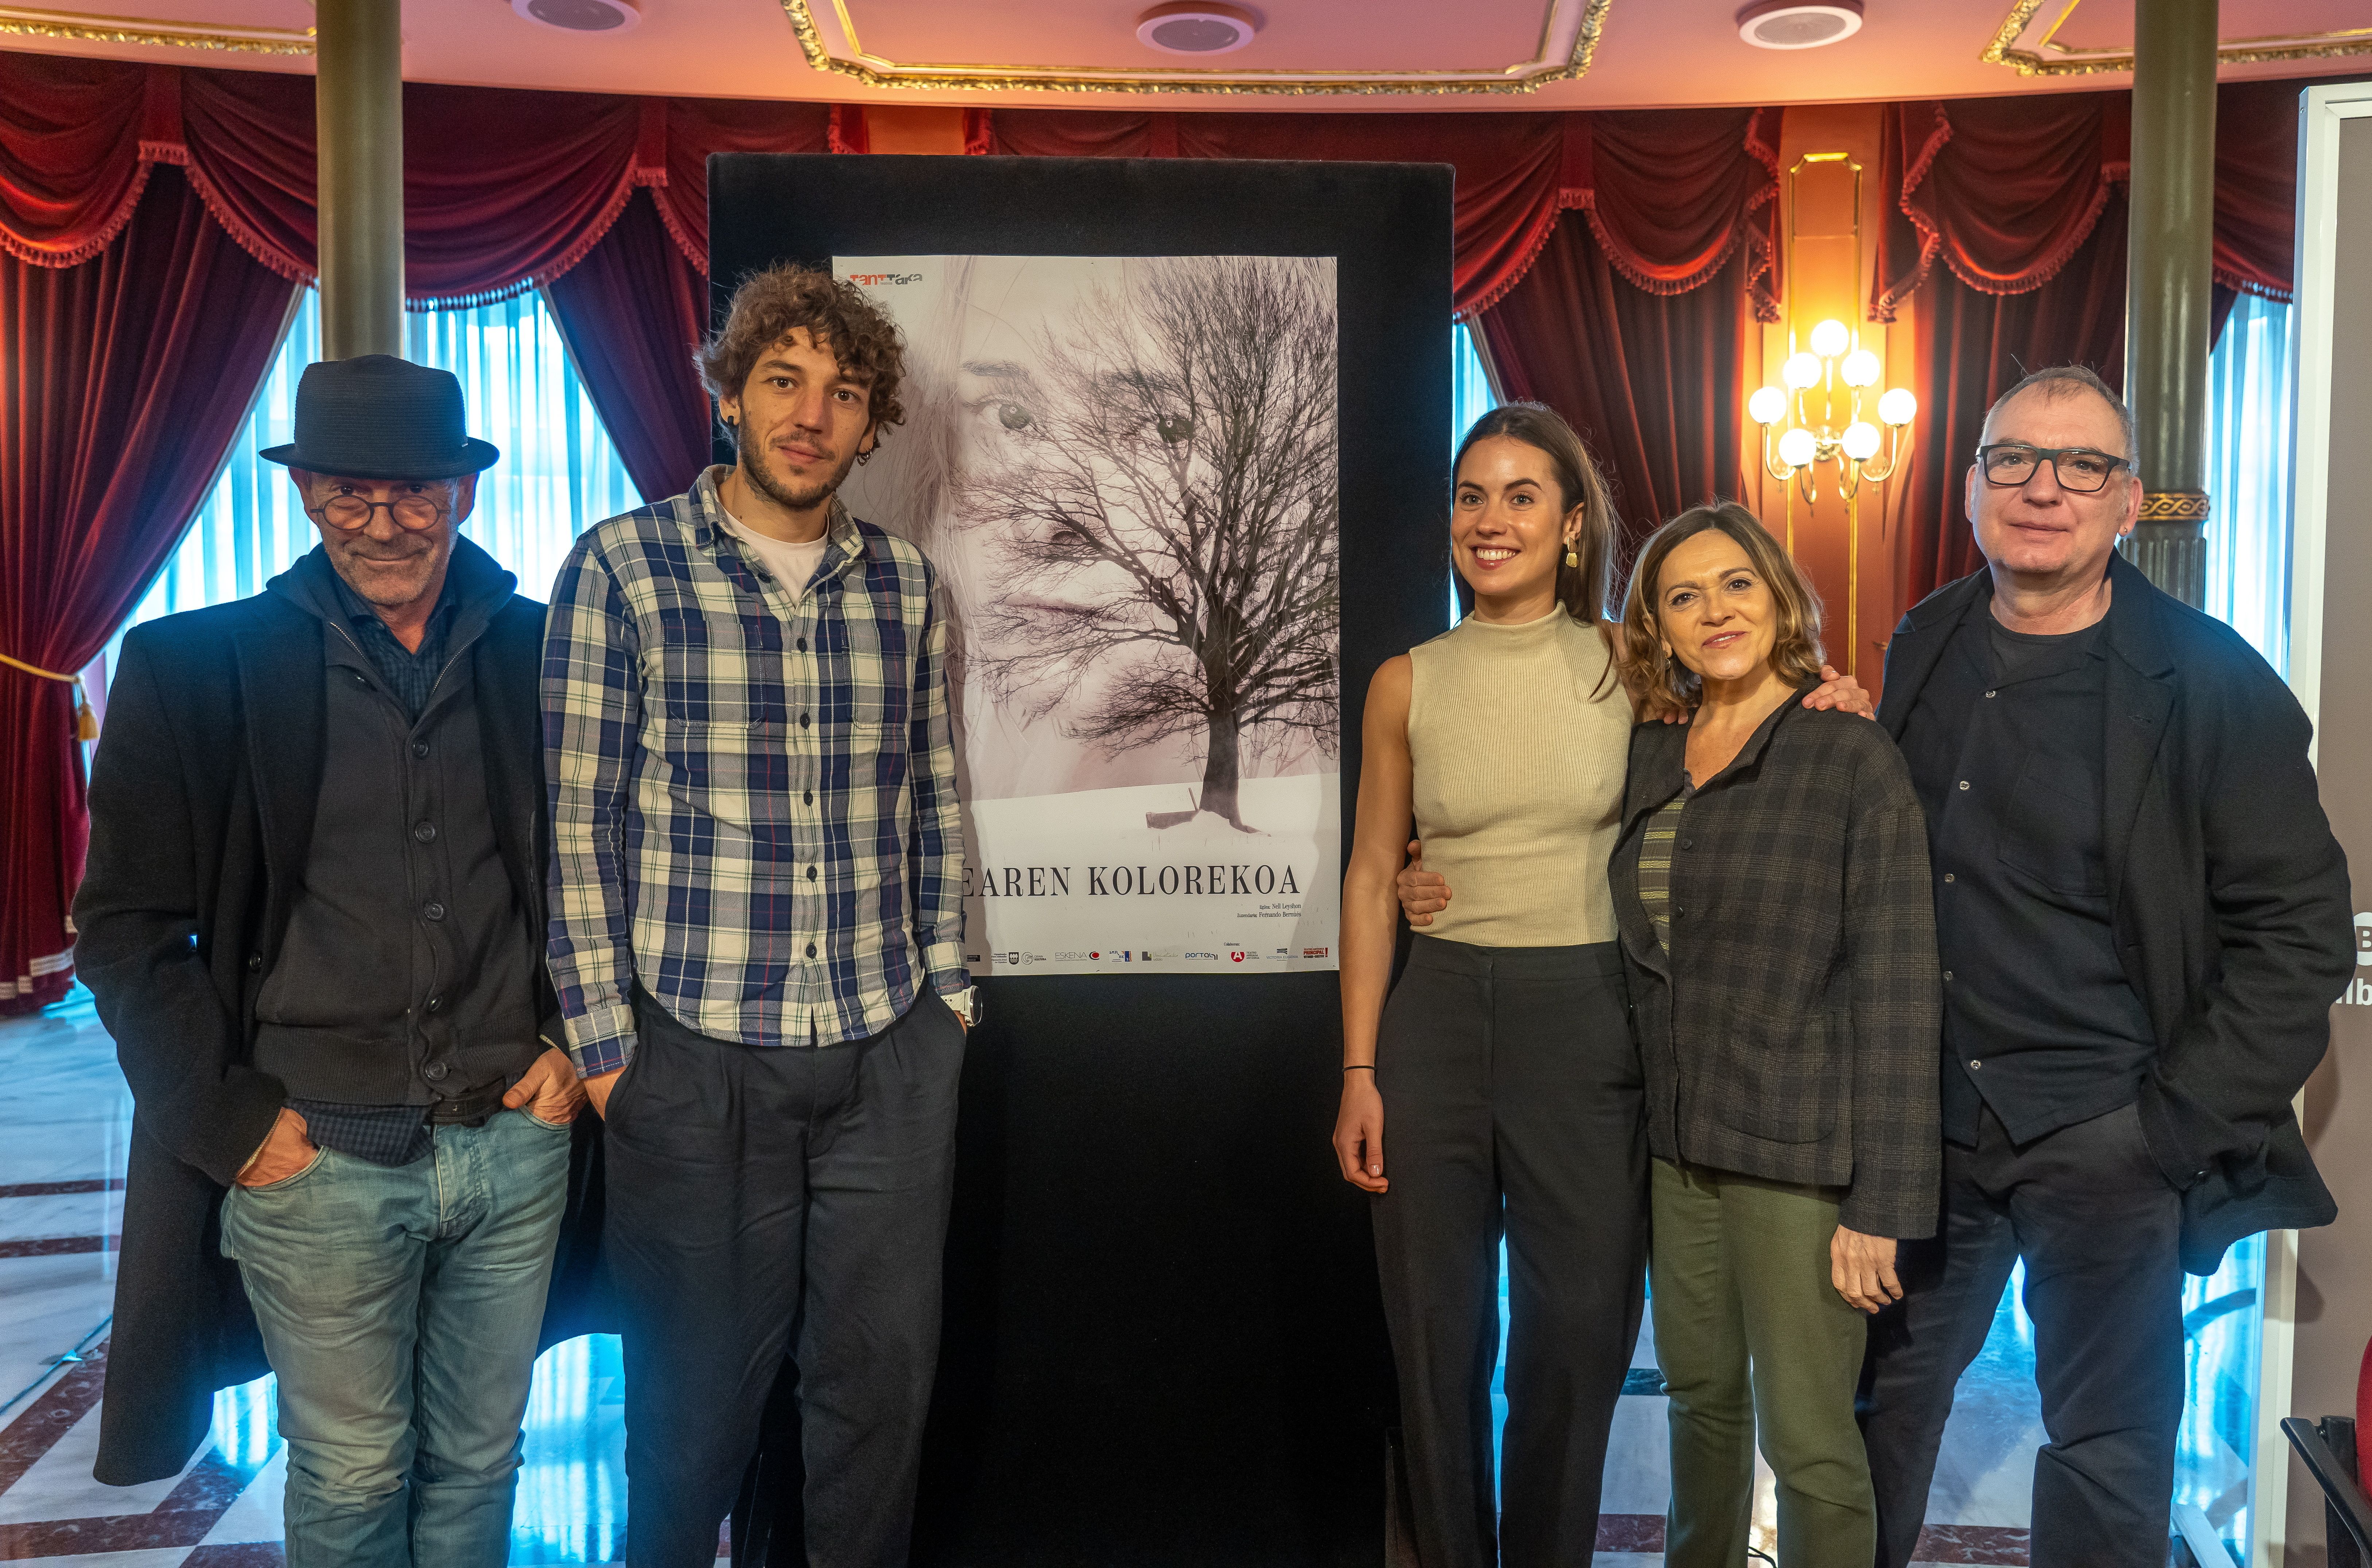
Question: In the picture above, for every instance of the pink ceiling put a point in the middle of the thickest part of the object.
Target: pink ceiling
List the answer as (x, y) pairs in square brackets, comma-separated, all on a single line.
[(1392, 35), (1650, 52), (2109, 24)]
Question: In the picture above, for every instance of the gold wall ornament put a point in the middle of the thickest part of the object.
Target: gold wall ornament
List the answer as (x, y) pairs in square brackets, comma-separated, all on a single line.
[(41, 22), (1548, 64), (2176, 506), (2049, 57)]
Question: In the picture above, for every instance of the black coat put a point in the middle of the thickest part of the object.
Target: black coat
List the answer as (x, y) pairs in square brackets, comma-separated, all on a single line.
[(1790, 1033), (202, 803), (2227, 894)]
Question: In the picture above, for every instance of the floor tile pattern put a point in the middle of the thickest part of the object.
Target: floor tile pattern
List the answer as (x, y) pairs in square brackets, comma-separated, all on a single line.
[(63, 1127)]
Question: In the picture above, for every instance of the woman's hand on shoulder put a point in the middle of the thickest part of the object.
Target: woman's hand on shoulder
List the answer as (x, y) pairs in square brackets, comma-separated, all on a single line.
[(1842, 692)]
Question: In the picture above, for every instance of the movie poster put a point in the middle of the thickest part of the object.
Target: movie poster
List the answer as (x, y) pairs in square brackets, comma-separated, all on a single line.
[(1125, 470)]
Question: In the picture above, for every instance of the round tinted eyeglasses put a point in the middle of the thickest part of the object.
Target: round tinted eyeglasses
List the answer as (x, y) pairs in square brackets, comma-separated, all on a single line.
[(412, 512)]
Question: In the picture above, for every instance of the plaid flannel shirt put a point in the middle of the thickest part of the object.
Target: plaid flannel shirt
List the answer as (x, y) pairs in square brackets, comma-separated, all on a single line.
[(753, 788)]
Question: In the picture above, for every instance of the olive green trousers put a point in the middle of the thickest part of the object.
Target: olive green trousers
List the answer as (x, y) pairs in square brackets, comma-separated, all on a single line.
[(1755, 1341)]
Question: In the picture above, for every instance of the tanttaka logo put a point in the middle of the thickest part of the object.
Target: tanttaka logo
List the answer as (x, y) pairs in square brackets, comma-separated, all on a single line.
[(2359, 991), (873, 280)]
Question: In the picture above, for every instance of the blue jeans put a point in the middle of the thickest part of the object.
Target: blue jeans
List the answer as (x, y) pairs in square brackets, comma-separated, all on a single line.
[(399, 1307)]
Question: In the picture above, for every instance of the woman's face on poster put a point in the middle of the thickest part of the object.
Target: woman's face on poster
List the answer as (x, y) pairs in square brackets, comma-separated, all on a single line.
[(992, 397)]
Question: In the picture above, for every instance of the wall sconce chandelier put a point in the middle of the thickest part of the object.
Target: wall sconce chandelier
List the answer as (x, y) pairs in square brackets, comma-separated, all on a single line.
[(1818, 418)]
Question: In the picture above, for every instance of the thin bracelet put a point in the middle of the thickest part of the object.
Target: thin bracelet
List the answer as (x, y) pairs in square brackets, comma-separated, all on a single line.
[(1360, 1067)]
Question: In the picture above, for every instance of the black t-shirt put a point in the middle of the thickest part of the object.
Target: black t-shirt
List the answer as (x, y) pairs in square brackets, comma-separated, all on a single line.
[(2007, 748)]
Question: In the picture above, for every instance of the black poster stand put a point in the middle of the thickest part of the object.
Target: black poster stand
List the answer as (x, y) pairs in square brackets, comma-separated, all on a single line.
[(1164, 1343)]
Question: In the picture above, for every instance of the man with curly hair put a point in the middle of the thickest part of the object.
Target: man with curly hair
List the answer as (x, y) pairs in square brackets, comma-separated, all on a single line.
[(757, 938)]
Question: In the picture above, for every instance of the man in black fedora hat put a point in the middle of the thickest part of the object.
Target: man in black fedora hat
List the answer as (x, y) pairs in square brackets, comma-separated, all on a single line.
[(313, 918)]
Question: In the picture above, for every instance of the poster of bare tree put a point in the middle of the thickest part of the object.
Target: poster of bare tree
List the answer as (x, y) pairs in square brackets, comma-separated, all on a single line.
[(1125, 470)]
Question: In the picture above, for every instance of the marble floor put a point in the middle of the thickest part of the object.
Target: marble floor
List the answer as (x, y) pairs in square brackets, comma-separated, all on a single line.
[(63, 1123)]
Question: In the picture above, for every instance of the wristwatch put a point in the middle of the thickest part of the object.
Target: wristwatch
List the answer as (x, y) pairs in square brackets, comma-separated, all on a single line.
[(964, 1004)]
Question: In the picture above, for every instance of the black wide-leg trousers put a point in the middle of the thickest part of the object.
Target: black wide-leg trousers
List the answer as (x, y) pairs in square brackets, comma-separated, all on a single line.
[(766, 1202), (1513, 1105), (2098, 1227)]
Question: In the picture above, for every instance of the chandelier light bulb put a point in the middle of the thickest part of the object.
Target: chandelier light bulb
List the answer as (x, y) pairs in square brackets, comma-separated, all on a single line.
[(1797, 448), (1860, 368), (1768, 406), (1801, 370), (1860, 440), (1831, 339), (1898, 407)]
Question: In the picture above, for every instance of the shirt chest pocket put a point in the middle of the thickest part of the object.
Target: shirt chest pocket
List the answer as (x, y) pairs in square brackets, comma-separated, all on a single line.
[(2051, 829), (716, 664)]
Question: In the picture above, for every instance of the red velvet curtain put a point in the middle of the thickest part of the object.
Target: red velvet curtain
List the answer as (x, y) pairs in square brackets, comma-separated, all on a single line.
[(1973, 347), (503, 190), (2022, 203), (124, 376), (1629, 323), (633, 311), (141, 309), (1650, 381), (1672, 196)]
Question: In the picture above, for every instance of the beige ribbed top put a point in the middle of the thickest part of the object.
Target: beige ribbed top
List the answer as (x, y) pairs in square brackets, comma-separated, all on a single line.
[(1518, 779)]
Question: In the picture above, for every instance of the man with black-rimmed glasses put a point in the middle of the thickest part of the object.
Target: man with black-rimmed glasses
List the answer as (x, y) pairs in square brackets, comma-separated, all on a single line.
[(313, 920), (2143, 919)]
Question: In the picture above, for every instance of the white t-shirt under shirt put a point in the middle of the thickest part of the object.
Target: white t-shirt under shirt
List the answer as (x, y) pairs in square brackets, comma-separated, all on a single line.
[(791, 564)]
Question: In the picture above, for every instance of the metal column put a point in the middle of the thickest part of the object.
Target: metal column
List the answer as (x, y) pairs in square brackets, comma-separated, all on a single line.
[(2169, 285), (358, 87)]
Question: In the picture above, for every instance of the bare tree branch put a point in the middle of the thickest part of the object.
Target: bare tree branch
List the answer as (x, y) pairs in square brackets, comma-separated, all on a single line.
[(1182, 433)]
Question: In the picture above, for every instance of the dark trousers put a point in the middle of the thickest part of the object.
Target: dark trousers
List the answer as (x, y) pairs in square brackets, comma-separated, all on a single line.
[(774, 1201), (1512, 1105), (2096, 1223)]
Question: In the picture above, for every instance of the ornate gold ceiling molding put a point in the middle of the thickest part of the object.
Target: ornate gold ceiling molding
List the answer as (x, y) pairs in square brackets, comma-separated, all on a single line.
[(1569, 34), (42, 23), (2049, 57)]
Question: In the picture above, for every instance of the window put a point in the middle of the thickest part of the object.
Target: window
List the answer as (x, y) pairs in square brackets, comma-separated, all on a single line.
[(2248, 588), (1470, 398), (2247, 475), (558, 475)]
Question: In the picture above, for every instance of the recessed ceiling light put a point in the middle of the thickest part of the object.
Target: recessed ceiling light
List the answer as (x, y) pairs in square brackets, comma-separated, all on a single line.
[(1788, 24), (1197, 27), (580, 15)]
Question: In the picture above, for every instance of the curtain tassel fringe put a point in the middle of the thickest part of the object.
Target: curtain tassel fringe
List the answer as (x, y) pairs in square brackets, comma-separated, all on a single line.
[(85, 720)]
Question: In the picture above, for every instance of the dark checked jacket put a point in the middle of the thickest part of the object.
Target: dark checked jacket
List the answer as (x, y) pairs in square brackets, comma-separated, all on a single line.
[(1790, 1034)]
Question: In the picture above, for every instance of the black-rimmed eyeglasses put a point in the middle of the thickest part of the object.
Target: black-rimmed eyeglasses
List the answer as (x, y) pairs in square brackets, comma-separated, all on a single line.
[(2080, 469)]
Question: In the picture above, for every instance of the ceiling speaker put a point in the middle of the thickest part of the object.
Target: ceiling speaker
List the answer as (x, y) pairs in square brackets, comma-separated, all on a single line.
[(1197, 27), (580, 15), (1787, 24)]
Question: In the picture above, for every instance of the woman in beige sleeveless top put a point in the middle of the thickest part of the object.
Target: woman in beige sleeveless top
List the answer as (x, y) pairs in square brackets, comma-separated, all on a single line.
[(1500, 1074)]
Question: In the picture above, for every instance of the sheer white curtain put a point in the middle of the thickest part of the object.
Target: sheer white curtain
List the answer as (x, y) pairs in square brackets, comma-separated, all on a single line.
[(558, 476), (2248, 475)]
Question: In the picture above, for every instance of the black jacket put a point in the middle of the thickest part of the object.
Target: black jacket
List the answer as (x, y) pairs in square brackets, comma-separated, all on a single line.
[(1790, 1033), (201, 801), (2227, 893)]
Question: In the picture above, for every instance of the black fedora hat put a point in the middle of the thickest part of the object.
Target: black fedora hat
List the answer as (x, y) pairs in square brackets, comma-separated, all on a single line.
[(376, 416)]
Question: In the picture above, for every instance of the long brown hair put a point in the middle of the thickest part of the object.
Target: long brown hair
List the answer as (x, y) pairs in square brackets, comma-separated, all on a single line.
[(1658, 680), (1585, 589)]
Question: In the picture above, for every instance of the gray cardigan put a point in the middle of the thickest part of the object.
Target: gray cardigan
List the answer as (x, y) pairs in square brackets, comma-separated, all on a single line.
[(1791, 1032)]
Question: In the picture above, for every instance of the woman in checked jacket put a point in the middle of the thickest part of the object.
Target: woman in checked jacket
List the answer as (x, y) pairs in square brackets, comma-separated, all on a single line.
[(1771, 881)]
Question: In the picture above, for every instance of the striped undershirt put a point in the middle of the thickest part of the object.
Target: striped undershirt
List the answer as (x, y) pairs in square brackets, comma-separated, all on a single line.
[(1655, 864)]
